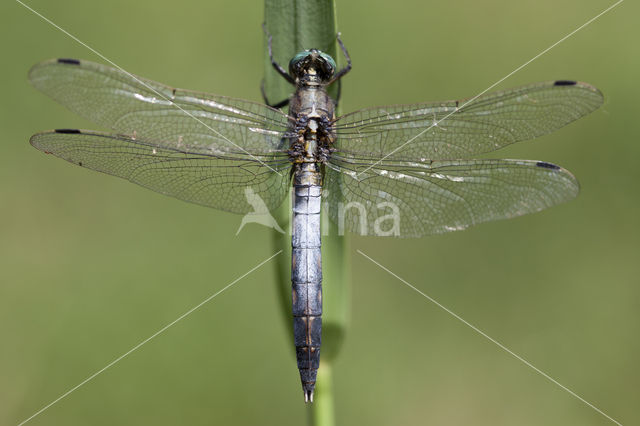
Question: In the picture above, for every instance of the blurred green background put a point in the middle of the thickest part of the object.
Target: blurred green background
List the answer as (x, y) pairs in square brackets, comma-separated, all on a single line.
[(91, 265)]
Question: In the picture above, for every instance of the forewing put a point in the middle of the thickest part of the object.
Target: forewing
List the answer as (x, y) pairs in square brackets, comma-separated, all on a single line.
[(442, 196), (174, 118), (460, 129), (224, 183)]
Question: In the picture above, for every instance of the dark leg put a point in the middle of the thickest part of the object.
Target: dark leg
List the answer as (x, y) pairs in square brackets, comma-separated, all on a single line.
[(276, 65), (279, 105), (339, 92), (346, 69)]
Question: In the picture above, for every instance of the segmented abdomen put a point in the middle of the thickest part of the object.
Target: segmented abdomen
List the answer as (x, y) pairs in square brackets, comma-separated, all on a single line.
[(306, 273)]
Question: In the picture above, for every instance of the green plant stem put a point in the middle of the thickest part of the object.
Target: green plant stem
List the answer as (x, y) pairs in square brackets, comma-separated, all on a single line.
[(322, 410)]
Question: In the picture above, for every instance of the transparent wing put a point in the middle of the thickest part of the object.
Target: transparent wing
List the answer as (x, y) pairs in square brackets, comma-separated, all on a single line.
[(464, 128), (411, 199), (173, 118), (224, 183)]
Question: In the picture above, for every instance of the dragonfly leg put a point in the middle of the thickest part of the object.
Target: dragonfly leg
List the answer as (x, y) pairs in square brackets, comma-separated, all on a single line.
[(281, 104), (275, 64), (346, 69), (339, 92)]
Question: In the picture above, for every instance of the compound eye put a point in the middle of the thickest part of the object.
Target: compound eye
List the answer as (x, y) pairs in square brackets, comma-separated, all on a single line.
[(330, 64), (295, 61)]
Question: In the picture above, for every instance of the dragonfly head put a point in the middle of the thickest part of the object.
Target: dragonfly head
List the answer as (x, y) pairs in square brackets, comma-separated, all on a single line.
[(312, 64)]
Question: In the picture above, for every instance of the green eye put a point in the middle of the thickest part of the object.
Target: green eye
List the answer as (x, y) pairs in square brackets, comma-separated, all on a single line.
[(300, 56), (329, 59)]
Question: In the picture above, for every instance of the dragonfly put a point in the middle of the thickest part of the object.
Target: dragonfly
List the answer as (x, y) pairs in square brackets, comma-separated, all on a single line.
[(399, 170)]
